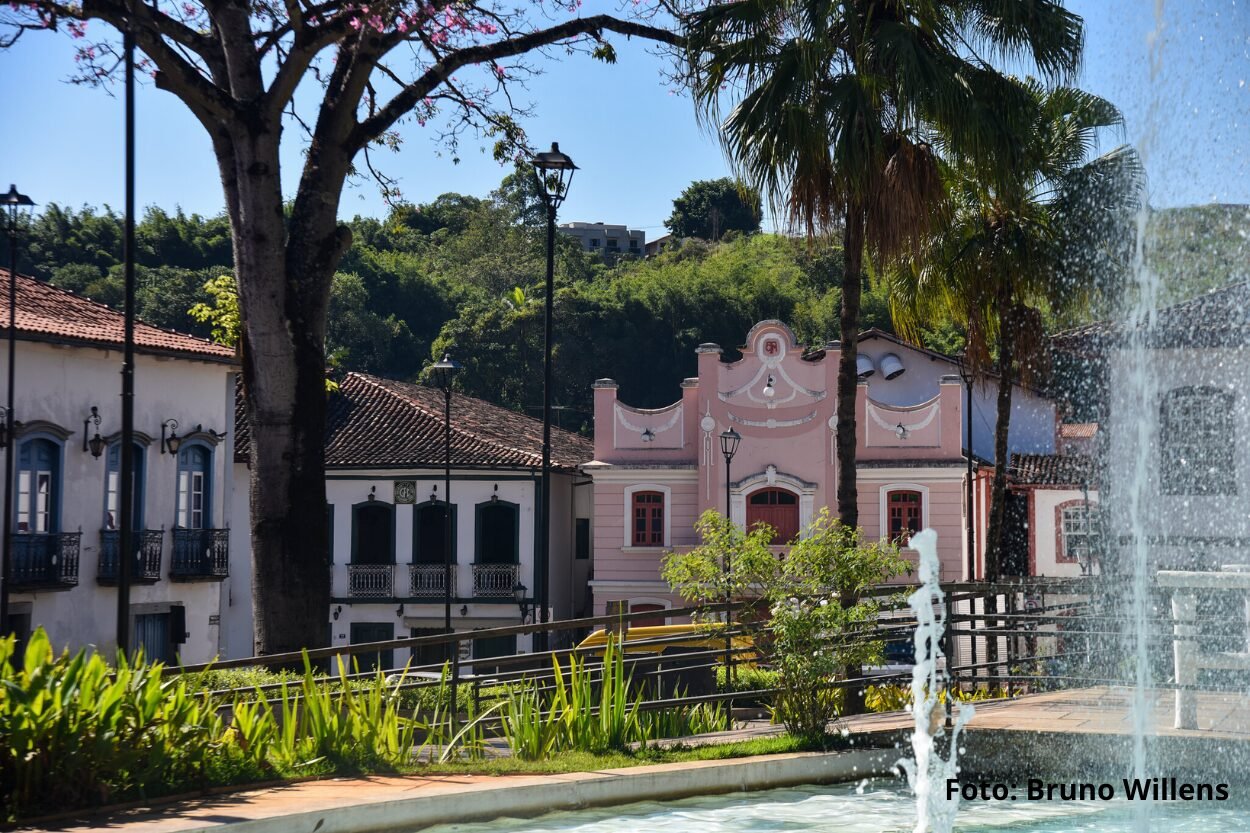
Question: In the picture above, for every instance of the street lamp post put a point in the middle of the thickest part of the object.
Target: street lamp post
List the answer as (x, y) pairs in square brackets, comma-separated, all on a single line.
[(126, 467), (729, 440), (554, 172), (965, 373), (15, 204), (443, 374)]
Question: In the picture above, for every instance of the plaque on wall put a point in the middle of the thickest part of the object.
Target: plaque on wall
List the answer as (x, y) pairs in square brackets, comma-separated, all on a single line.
[(405, 491)]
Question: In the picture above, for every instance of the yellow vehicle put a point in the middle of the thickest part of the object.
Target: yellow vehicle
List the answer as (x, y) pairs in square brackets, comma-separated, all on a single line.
[(657, 639)]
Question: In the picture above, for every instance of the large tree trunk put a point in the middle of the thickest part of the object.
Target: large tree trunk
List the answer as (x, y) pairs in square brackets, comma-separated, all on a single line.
[(998, 490), (283, 270), (848, 374), (848, 391)]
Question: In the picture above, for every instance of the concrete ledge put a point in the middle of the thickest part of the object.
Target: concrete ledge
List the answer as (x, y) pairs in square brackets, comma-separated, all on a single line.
[(575, 791), (412, 803)]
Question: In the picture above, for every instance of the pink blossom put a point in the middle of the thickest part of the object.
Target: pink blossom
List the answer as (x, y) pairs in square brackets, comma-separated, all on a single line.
[(189, 10), (499, 72), (376, 22), (438, 38), (354, 23), (486, 27), (77, 29), (401, 25)]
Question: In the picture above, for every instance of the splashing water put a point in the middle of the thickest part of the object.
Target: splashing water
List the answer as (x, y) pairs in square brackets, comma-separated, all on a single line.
[(929, 772)]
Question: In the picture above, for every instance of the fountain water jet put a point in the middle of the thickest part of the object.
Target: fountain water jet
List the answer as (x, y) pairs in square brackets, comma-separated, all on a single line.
[(929, 772)]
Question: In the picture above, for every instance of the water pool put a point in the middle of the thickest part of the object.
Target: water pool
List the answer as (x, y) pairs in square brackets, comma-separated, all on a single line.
[(880, 806)]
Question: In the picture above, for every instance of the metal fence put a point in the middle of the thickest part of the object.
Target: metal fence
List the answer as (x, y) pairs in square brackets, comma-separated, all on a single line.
[(1001, 640)]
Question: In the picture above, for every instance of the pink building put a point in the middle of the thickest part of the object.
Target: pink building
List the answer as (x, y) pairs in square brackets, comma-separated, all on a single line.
[(656, 470)]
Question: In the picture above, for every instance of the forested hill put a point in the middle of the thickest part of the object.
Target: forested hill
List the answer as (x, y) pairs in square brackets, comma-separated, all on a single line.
[(1198, 248), (465, 273)]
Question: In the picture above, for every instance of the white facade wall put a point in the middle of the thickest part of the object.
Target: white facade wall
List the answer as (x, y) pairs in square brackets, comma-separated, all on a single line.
[(1185, 531), (344, 490), (58, 384), (1045, 533), (1032, 415)]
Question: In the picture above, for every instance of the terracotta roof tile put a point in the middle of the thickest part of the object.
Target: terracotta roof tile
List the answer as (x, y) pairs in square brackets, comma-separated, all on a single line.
[(1054, 470), (1078, 430), (1220, 318), (380, 423), (45, 312)]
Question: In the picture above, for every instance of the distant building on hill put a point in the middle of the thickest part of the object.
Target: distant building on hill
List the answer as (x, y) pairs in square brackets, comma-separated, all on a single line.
[(607, 240)]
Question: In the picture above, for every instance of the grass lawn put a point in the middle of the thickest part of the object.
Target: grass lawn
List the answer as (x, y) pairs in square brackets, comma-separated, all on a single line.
[(588, 762)]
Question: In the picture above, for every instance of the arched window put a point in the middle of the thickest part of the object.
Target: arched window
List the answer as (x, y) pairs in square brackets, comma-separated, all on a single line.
[(905, 510), (648, 519), (373, 533), (195, 487), (779, 509), (38, 486), (1196, 441), (112, 487), (429, 536), (498, 533)]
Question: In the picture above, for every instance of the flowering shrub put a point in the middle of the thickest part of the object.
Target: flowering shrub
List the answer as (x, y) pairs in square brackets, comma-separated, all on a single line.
[(817, 615)]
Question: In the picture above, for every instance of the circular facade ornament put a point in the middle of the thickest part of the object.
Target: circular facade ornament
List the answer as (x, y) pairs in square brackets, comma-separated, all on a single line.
[(833, 423), (707, 424)]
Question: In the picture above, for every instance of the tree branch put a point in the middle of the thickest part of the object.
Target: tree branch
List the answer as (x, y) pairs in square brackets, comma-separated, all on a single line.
[(437, 74)]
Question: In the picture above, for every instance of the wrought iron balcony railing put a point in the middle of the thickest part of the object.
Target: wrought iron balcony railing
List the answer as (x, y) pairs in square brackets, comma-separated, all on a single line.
[(429, 580), (147, 559), (200, 554), (45, 560), (371, 581), (495, 580)]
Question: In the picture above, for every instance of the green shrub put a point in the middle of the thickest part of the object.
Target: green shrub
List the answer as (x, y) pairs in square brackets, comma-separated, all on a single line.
[(77, 732)]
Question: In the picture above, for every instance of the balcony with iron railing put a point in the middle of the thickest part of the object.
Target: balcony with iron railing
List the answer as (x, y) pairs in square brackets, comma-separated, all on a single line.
[(495, 580), (371, 581), (200, 555), (45, 560), (430, 580), (147, 558)]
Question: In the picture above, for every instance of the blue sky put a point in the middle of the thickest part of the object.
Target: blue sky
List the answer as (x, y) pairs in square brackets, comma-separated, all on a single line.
[(637, 143)]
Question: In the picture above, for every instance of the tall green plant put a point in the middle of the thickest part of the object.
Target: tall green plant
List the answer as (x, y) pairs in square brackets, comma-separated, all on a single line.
[(819, 619), (834, 110)]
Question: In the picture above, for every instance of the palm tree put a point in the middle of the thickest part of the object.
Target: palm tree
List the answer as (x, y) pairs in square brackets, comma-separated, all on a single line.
[(1040, 243), (836, 107)]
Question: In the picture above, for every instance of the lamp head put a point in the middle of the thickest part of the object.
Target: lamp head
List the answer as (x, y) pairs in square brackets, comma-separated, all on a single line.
[(444, 372), (554, 172), (729, 441)]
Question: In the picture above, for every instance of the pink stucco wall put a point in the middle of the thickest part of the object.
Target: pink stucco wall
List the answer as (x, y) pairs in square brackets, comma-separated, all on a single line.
[(787, 441)]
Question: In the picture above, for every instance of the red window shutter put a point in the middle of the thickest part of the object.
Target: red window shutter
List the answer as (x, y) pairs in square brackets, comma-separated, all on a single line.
[(648, 512), (905, 513)]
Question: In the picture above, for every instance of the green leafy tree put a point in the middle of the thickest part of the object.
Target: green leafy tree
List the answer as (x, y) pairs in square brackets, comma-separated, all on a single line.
[(817, 611), (1039, 243), (832, 110), (368, 76), (710, 208)]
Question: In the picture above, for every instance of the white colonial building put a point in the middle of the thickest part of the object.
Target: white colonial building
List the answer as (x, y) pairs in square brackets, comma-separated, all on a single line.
[(387, 509), (64, 544)]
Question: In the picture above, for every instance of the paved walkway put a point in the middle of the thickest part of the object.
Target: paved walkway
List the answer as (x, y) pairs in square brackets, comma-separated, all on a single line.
[(1080, 711)]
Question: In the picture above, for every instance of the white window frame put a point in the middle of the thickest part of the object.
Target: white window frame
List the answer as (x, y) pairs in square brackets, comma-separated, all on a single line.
[(884, 505), (627, 514)]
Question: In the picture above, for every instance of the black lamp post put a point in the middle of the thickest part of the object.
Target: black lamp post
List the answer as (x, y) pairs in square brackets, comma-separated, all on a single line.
[(554, 172), (965, 373), (16, 205), (729, 440), (443, 374)]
